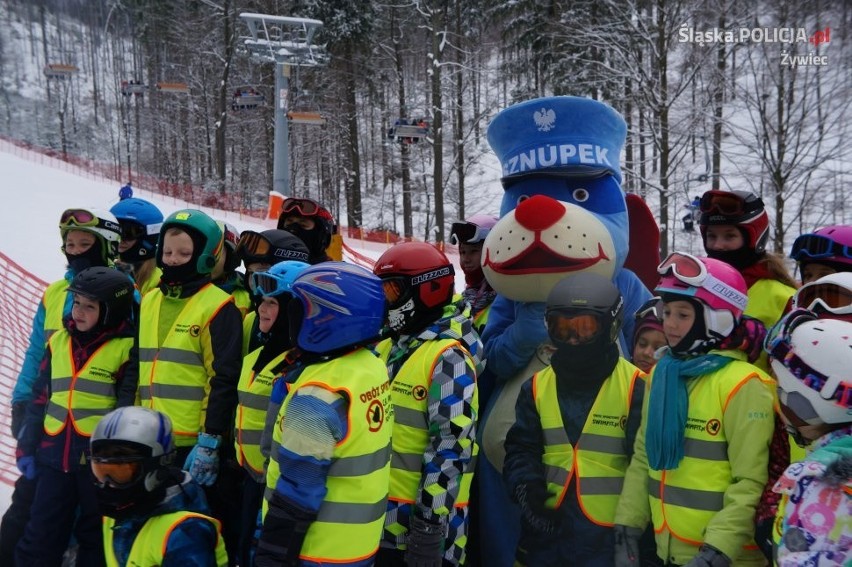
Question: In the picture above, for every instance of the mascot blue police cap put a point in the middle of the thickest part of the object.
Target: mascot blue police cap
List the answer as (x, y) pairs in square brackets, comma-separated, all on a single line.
[(560, 134)]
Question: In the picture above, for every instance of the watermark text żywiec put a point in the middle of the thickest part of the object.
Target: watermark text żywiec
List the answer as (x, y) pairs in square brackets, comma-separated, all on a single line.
[(789, 58)]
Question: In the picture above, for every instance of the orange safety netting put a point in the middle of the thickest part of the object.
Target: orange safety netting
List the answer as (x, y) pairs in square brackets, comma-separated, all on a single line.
[(20, 293)]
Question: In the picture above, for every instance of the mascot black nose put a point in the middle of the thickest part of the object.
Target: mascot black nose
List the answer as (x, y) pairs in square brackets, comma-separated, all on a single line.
[(539, 212)]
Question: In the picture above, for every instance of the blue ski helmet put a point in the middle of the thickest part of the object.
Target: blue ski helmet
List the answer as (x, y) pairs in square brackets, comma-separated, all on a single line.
[(278, 279), (140, 220), (335, 305)]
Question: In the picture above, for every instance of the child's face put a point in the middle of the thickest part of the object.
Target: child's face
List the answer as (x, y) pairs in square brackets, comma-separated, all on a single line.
[(85, 312), (177, 248), (306, 223), (470, 256), (78, 242), (267, 313), (724, 238), (678, 318), (813, 271), (646, 345)]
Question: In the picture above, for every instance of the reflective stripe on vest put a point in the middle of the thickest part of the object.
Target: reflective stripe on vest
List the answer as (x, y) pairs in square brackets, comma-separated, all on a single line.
[(600, 458), (149, 546), (253, 393), (358, 477), (411, 437), (685, 499), (173, 377), (54, 307), (87, 394)]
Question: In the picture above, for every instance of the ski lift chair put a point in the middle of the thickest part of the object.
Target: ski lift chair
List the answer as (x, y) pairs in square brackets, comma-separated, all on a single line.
[(59, 71)]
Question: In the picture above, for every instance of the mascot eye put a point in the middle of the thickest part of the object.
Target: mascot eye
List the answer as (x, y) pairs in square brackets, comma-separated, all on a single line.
[(580, 195), (521, 199)]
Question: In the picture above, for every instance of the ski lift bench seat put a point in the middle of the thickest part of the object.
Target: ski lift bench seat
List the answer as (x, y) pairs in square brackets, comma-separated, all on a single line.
[(302, 117), (59, 70), (173, 87)]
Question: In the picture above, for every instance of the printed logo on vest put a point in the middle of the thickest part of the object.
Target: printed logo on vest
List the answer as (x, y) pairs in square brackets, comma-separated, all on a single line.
[(713, 426)]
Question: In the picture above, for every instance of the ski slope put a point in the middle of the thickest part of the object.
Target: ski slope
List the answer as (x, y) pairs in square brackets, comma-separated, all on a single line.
[(36, 189)]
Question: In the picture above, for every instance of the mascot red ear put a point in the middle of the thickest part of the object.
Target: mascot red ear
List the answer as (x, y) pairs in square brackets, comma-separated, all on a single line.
[(643, 259)]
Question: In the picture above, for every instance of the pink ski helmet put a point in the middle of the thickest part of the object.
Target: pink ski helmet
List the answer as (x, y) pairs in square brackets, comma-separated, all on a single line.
[(830, 245), (719, 287)]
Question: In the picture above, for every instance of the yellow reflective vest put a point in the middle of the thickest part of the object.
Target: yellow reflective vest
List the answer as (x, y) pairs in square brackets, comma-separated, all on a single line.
[(242, 299), (409, 391), (174, 376), (85, 394), (248, 323), (767, 299), (685, 499), (253, 393), (600, 457), (149, 547), (54, 306), (358, 477)]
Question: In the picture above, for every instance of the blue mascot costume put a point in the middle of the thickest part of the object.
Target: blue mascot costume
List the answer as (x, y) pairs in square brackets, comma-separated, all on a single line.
[(563, 212)]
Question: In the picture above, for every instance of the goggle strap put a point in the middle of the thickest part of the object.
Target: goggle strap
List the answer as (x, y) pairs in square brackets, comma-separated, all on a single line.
[(725, 292)]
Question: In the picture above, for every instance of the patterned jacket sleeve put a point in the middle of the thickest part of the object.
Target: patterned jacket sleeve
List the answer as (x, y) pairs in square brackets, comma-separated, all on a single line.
[(452, 423)]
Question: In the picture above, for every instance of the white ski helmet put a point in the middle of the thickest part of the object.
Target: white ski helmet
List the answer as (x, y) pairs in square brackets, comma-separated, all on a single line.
[(101, 223), (811, 359)]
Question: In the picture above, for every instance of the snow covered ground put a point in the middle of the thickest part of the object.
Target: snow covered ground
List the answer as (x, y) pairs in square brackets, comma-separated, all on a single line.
[(37, 189)]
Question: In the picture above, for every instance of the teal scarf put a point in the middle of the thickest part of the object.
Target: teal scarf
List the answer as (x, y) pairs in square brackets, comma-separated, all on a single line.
[(668, 406)]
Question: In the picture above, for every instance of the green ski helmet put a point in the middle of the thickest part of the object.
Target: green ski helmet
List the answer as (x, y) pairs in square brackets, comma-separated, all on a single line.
[(205, 233)]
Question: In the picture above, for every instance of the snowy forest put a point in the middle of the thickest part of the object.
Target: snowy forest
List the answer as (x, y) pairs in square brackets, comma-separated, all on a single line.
[(716, 94)]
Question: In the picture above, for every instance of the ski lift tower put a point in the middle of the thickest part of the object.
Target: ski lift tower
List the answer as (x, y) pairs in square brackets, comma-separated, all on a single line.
[(287, 42)]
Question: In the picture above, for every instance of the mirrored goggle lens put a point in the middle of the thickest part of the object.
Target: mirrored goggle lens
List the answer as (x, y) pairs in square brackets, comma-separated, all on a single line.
[(394, 289), (132, 230), (827, 296), (117, 472), (686, 268), (579, 328), (305, 207), (722, 202), (266, 284), (253, 244), (78, 217)]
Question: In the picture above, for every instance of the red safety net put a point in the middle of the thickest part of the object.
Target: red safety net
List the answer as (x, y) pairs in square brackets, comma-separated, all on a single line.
[(20, 293)]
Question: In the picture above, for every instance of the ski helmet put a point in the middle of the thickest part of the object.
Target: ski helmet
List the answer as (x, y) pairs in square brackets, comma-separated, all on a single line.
[(140, 220), (205, 234), (418, 280), (335, 305), (232, 238), (830, 245), (130, 448), (741, 209), (111, 288), (811, 360), (717, 287), (472, 230), (586, 307), (102, 224), (270, 247)]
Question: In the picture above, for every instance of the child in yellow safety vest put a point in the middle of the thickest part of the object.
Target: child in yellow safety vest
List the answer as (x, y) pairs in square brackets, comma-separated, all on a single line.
[(700, 459), (154, 513), (90, 367), (568, 450)]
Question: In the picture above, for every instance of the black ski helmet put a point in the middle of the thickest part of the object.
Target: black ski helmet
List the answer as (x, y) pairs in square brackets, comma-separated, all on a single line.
[(588, 293), (111, 288)]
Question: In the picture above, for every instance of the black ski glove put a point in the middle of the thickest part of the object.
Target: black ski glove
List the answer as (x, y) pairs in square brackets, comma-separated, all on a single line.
[(709, 556), (283, 534), (538, 517), (425, 543)]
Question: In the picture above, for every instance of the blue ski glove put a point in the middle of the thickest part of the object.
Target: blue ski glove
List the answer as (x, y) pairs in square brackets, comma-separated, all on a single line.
[(203, 461), (27, 466)]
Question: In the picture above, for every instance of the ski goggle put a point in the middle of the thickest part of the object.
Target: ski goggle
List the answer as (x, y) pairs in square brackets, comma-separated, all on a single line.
[(132, 230), (821, 297), (78, 217), (651, 308), (467, 233), (394, 288), (818, 246), (267, 284), (117, 471), (565, 327), (253, 245), (685, 267), (839, 393), (725, 203), (304, 207)]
